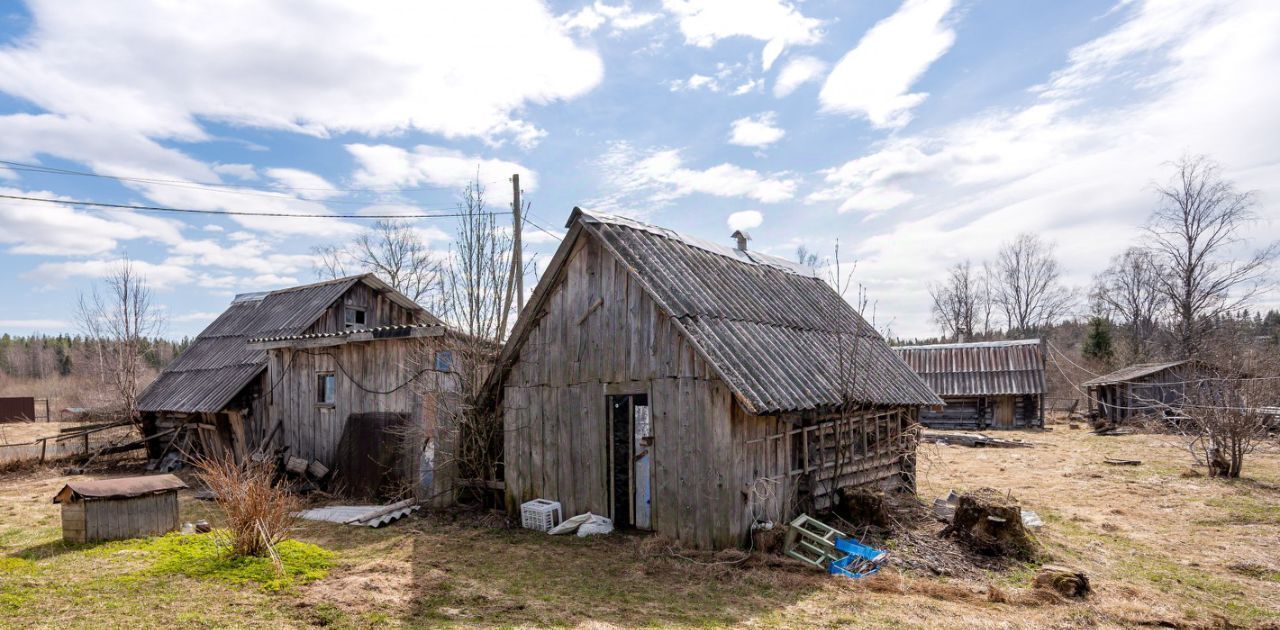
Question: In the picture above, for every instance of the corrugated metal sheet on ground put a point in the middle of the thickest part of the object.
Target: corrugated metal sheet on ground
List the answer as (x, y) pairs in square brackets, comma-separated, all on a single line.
[(360, 515), (989, 368), (782, 338), (219, 363)]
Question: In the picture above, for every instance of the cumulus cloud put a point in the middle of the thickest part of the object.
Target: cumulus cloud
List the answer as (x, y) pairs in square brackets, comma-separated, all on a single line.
[(798, 71), (874, 79), (158, 276), (760, 130), (745, 220), (387, 165), (776, 22), (642, 181), (619, 18), (369, 68), (1076, 164)]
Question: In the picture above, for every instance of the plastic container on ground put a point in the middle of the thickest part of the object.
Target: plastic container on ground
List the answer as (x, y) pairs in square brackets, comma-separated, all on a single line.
[(540, 514)]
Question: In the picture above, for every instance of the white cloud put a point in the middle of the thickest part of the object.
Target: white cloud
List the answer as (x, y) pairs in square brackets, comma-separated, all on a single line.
[(198, 316), (117, 152), (776, 22), (745, 220), (798, 71), (213, 227), (386, 165), (695, 82), (40, 228), (760, 130), (157, 276), (157, 68), (303, 183), (241, 171), (873, 79), (750, 86), (643, 181), (1076, 165), (619, 17)]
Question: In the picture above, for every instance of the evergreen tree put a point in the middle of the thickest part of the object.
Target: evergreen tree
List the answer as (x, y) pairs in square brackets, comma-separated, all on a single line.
[(1097, 341)]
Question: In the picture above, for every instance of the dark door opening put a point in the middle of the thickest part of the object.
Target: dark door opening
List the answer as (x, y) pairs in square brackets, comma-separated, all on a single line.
[(631, 438)]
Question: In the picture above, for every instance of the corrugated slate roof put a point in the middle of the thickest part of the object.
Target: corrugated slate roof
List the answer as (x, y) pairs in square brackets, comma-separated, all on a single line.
[(989, 368), (219, 363), (778, 335), (1132, 372)]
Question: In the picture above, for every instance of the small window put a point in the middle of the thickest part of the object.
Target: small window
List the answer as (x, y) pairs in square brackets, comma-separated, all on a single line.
[(355, 317), (324, 388), (444, 361)]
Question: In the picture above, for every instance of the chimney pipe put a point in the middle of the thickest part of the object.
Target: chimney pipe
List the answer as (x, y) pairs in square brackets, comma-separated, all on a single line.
[(742, 237)]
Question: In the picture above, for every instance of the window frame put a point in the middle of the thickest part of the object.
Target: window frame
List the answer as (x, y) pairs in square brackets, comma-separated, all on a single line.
[(326, 395), (349, 321)]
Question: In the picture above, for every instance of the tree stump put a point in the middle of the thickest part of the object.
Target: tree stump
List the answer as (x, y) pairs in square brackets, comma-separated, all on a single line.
[(990, 523), (1063, 581)]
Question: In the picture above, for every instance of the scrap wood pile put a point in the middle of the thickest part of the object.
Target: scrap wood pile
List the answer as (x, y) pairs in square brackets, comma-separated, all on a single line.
[(977, 440)]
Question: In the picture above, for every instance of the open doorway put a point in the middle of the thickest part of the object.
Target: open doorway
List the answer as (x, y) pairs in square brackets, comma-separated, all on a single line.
[(631, 460)]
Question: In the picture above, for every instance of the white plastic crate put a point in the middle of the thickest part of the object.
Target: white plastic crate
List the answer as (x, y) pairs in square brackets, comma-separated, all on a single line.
[(540, 514)]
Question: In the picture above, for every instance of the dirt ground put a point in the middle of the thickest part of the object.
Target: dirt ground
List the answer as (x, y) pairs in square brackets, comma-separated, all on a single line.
[(1161, 549)]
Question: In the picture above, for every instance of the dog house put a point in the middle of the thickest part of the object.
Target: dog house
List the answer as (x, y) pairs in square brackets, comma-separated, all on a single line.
[(114, 509)]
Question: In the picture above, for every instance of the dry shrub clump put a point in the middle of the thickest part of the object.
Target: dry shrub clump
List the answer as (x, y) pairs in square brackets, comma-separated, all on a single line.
[(259, 512)]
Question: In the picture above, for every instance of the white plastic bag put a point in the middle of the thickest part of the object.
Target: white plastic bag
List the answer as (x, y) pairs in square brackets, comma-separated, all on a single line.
[(585, 524), (595, 525)]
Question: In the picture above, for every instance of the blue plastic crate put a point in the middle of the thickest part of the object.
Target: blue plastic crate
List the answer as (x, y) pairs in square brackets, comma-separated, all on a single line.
[(858, 555)]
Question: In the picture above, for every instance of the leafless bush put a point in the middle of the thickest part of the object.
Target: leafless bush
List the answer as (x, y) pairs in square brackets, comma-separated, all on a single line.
[(259, 512), (1229, 415)]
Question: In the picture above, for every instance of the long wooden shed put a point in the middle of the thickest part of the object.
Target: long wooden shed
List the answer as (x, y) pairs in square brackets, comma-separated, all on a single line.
[(114, 509), (986, 385), (1144, 389), (694, 389)]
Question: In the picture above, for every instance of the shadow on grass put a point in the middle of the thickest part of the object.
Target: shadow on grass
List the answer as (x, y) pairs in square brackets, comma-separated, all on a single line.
[(501, 577), (51, 549)]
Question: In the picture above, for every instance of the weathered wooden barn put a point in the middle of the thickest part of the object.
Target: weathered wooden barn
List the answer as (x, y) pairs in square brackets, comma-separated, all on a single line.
[(986, 385), (1143, 390), (115, 509), (322, 369), (693, 389)]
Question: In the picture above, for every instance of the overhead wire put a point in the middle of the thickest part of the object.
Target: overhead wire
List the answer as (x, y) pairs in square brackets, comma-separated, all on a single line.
[(50, 170), (286, 215)]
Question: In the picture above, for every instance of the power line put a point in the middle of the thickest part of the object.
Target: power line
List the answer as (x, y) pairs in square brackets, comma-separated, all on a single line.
[(525, 219), (50, 170), (118, 206)]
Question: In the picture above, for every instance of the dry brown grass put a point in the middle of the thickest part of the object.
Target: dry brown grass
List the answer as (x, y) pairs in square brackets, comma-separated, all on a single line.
[(258, 512)]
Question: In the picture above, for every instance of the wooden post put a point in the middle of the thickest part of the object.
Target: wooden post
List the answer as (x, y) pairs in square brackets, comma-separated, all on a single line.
[(517, 260)]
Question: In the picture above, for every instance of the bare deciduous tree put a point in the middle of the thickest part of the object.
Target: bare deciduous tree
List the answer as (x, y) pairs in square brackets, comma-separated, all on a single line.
[(1226, 416), (1195, 234), (1027, 285), (959, 302), (1128, 292), (120, 321), (395, 251)]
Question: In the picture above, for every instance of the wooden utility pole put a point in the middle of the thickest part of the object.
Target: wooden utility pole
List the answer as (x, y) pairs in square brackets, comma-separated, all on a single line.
[(517, 260)]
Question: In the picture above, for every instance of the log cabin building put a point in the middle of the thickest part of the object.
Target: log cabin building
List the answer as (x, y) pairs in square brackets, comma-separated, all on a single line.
[(320, 370), (986, 385), (695, 389), (1144, 390)]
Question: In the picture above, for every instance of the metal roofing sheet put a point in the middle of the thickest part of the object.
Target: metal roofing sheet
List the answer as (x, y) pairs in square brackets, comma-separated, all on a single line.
[(1132, 372), (979, 369), (782, 338), (219, 363)]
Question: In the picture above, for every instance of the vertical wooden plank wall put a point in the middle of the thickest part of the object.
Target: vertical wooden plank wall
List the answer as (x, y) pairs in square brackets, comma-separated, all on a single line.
[(600, 334)]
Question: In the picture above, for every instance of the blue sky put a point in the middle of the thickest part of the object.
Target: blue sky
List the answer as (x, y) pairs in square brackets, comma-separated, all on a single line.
[(918, 133)]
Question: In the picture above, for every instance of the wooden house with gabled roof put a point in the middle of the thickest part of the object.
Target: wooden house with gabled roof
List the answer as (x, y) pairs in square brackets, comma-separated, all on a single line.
[(310, 369), (695, 389)]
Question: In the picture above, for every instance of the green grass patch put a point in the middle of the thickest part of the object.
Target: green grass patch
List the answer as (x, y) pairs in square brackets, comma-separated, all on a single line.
[(1242, 510), (204, 556)]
